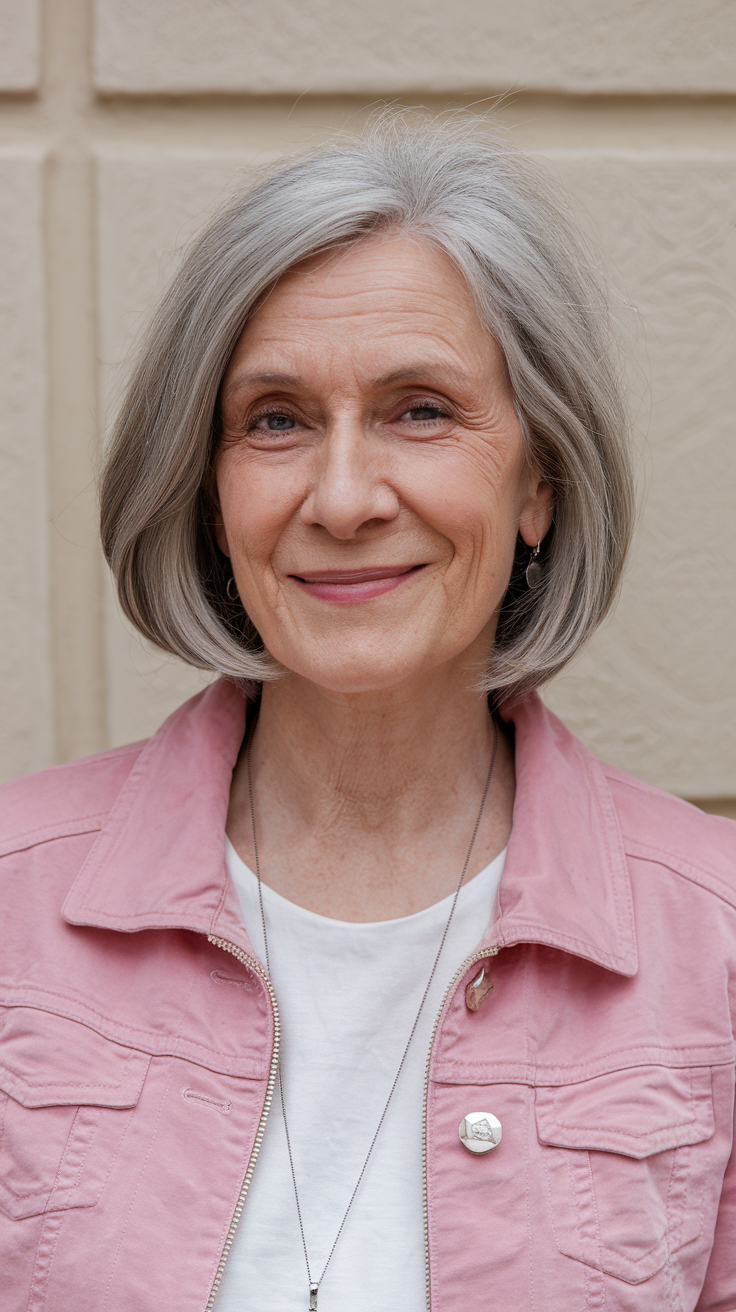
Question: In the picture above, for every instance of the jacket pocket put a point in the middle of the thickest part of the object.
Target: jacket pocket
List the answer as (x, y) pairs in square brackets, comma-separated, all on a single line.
[(620, 1158), (66, 1095)]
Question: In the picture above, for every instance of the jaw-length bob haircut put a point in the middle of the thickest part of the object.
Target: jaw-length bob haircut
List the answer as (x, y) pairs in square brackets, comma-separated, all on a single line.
[(450, 183)]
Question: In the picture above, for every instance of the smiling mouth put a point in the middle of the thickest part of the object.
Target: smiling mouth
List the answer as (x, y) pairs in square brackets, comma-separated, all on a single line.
[(346, 586)]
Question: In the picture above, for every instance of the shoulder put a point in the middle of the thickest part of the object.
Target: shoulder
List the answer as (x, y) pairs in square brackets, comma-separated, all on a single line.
[(658, 827), (655, 826), (64, 800)]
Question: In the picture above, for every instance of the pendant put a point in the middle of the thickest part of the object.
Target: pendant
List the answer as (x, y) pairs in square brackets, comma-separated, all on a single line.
[(313, 1291)]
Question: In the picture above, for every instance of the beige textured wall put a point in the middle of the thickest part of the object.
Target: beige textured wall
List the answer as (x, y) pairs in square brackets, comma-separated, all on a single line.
[(125, 121)]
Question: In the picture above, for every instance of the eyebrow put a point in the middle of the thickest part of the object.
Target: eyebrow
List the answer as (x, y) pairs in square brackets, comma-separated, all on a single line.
[(278, 380), (403, 375), (422, 367)]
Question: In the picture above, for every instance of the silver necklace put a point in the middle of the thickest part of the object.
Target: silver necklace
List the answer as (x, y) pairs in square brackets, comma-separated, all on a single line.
[(314, 1285)]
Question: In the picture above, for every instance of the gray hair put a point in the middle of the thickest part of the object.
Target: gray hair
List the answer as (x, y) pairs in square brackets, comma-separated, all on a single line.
[(458, 186)]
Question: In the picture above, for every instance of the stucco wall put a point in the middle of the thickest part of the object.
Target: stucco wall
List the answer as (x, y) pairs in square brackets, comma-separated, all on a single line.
[(125, 121)]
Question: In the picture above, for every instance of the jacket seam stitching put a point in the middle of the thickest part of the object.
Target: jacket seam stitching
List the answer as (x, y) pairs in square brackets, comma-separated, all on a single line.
[(144, 1164), (587, 1128), (624, 914), (175, 917), (615, 1052), (534, 1072), (82, 824), (50, 1230), (561, 938), (134, 1029), (123, 805), (678, 866)]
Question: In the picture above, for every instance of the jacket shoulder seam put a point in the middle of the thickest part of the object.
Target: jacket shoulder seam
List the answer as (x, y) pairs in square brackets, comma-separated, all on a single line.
[(68, 825), (641, 786), (704, 876), (82, 762), (84, 824)]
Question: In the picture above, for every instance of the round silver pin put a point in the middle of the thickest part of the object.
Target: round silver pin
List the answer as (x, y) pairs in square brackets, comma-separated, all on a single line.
[(480, 1132)]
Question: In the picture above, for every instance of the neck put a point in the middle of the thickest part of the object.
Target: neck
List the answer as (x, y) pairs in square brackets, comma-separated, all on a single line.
[(365, 803), (371, 752)]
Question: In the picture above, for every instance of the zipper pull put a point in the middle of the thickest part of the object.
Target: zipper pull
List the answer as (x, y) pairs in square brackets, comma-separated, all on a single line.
[(478, 990)]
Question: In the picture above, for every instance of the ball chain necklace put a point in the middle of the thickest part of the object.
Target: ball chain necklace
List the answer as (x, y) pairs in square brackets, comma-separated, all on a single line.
[(314, 1285)]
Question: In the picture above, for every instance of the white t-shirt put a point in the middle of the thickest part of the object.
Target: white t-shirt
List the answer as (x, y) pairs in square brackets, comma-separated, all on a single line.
[(347, 996)]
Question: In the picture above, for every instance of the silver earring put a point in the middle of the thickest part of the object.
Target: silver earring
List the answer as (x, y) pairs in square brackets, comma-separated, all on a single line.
[(534, 569), (232, 597)]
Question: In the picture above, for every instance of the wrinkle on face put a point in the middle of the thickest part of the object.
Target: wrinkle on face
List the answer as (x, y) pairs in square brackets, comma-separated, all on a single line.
[(340, 342)]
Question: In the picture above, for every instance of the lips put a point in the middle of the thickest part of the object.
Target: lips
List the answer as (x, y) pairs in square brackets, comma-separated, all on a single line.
[(348, 586)]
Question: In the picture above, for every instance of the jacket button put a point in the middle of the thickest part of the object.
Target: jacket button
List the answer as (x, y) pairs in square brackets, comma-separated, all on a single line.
[(480, 1132)]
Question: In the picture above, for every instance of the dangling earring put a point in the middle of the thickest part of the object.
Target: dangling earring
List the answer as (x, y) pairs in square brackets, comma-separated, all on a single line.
[(534, 569), (230, 595)]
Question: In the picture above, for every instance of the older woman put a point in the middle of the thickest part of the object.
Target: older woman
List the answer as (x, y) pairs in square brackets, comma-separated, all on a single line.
[(362, 984)]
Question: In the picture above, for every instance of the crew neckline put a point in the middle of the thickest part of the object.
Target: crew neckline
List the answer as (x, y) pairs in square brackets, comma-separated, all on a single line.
[(233, 858)]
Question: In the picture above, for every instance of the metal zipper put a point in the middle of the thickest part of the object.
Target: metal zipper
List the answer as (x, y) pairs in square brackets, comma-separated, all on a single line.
[(256, 967), (469, 961)]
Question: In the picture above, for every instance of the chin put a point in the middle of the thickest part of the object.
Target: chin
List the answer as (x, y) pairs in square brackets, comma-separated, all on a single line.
[(358, 672)]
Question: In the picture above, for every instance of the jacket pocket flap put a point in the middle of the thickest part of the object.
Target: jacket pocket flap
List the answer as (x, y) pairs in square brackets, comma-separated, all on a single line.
[(636, 1112), (49, 1061)]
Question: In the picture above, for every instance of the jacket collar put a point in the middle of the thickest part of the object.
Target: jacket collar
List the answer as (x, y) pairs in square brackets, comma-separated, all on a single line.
[(159, 860), (566, 879)]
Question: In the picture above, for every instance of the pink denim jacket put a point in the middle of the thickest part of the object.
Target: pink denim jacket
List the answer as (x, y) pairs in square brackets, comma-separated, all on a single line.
[(139, 1041)]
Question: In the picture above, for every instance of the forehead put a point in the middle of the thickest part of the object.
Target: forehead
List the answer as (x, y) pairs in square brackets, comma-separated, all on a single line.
[(381, 289), (382, 264)]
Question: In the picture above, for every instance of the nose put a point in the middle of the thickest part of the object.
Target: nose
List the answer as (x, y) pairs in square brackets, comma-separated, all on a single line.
[(350, 489)]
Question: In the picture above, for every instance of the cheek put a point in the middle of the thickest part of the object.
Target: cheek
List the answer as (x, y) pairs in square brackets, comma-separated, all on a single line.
[(471, 497), (256, 504)]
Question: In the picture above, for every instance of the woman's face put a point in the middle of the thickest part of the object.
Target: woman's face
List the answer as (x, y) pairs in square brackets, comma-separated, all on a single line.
[(371, 478)]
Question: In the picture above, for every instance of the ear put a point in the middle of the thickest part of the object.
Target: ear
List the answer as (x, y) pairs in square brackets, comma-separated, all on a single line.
[(536, 516)]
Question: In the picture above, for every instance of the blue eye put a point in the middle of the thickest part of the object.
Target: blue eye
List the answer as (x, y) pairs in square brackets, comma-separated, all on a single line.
[(278, 423)]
